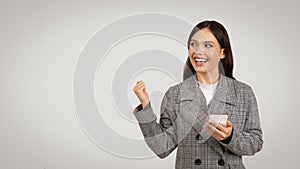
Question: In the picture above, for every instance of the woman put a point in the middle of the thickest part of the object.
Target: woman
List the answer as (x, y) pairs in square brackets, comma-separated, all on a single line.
[(208, 89)]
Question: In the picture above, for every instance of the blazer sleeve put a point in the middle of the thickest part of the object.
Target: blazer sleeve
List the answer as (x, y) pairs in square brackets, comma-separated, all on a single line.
[(160, 137), (248, 140)]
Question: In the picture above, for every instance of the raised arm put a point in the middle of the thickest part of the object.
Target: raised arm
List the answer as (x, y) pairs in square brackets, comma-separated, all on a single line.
[(160, 137)]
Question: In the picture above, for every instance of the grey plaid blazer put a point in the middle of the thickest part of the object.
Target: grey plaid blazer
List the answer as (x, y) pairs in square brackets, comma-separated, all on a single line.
[(183, 114)]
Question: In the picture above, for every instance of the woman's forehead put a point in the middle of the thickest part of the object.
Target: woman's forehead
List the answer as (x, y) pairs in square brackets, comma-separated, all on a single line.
[(204, 35)]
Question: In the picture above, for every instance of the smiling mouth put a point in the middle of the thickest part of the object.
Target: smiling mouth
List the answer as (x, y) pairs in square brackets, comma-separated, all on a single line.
[(201, 60)]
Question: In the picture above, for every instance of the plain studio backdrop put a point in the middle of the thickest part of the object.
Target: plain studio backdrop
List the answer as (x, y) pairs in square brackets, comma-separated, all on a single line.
[(41, 44)]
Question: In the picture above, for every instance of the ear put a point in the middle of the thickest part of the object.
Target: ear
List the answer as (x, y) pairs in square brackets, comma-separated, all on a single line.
[(222, 56)]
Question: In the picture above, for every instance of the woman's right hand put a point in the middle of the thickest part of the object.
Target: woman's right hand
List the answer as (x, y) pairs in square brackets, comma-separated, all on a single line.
[(140, 91)]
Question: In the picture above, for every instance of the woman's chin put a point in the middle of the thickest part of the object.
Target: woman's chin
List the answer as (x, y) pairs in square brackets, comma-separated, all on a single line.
[(201, 70)]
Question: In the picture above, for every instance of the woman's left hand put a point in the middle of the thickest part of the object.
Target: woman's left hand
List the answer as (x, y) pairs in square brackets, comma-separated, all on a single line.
[(218, 131)]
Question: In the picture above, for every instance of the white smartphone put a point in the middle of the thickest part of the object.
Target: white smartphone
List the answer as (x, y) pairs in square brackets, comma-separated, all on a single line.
[(219, 118)]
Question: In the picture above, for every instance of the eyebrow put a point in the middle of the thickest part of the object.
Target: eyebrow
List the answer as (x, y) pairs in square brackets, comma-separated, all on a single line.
[(203, 41)]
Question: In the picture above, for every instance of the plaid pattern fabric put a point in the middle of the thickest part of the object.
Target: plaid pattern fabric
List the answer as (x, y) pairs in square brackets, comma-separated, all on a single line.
[(183, 113)]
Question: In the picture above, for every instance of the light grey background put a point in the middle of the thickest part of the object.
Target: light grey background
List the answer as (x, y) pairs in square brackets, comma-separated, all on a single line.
[(41, 41)]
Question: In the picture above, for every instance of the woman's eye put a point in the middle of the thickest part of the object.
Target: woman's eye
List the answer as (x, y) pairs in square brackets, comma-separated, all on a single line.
[(208, 45), (193, 44)]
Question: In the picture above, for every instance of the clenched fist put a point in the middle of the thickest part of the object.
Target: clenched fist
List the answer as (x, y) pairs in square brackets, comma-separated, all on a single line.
[(140, 91)]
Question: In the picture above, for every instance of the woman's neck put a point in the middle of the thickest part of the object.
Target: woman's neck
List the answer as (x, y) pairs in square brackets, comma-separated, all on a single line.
[(207, 78)]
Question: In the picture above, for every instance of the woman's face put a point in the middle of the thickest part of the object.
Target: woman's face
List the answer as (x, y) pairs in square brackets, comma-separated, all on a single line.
[(205, 52)]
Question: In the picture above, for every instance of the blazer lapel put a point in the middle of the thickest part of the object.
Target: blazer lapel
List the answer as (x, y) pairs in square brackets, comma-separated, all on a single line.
[(223, 95), (193, 103)]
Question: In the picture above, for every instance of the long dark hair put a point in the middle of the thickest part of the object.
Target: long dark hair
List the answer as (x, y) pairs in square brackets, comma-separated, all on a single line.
[(219, 31)]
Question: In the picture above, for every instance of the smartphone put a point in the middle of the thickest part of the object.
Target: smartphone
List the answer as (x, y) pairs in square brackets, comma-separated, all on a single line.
[(219, 118)]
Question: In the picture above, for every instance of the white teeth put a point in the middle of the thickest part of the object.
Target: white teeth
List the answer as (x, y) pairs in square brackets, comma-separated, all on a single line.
[(201, 60)]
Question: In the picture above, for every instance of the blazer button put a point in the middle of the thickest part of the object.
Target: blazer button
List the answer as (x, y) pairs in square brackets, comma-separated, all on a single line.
[(199, 137), (221, 162), (198, 162)]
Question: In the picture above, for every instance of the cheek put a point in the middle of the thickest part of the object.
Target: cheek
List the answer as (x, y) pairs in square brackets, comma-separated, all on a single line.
[(191, 52), (213, 54)]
